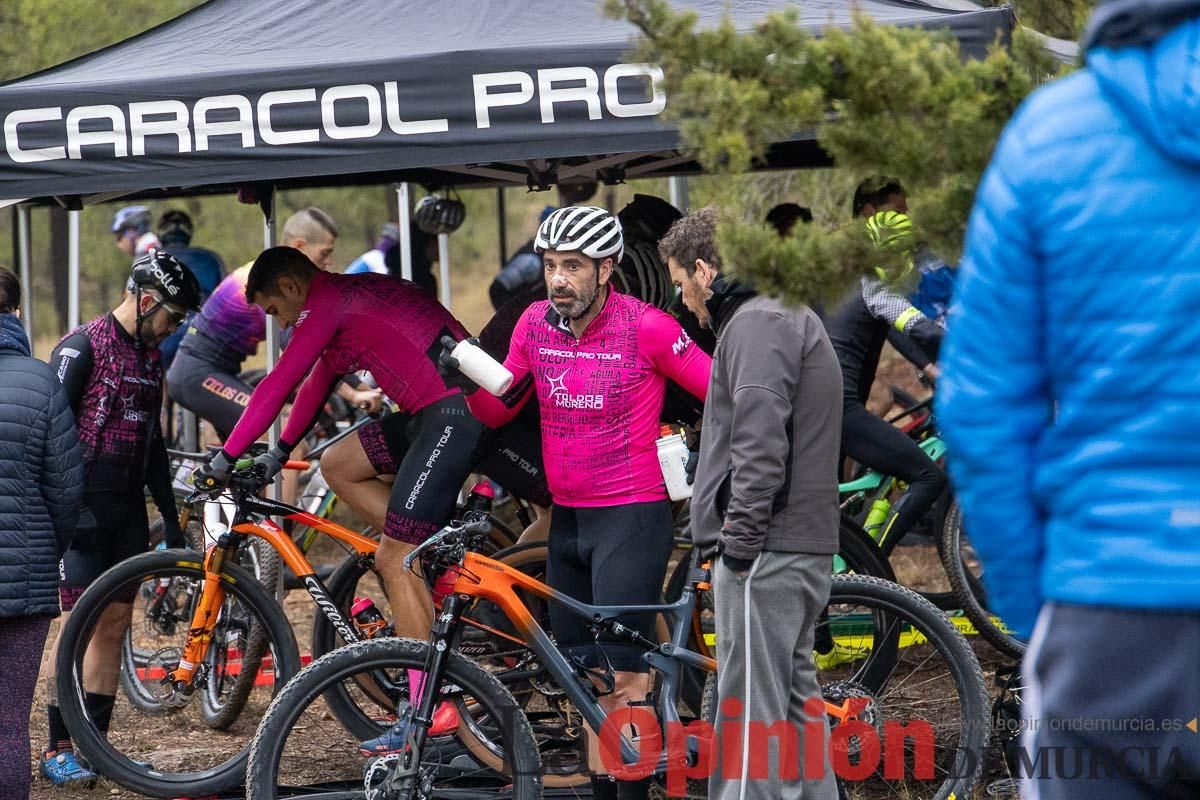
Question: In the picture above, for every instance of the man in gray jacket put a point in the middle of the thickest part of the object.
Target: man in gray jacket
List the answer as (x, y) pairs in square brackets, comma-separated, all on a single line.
[(765, 499)]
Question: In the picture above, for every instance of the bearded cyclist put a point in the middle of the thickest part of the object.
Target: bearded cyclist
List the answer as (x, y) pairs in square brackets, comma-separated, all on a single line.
[(514, 459), (110, 370), (598, 362), (874, 312), (390, 327)]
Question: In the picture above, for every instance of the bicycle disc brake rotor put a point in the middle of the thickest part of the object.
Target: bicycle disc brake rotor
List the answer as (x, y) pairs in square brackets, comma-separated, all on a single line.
[(382, 774), (863, 705), (163, 662)]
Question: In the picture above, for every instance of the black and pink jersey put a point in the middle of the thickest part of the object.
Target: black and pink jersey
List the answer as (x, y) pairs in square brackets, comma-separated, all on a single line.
[(600, 396), (115, 390), (349, 323)]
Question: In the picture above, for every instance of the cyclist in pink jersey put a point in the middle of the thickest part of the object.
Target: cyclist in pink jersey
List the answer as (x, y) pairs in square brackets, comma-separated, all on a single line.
[(598, 361), (347, 323)]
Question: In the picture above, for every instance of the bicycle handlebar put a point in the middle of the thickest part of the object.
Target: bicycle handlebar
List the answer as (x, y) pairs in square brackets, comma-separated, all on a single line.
[(479, 526)]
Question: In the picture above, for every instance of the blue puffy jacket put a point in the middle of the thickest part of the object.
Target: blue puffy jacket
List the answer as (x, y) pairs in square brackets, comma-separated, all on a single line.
[(1070, 395)]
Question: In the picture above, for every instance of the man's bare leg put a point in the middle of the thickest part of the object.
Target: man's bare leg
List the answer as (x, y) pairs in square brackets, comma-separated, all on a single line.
[(412, 605), (350, 474)]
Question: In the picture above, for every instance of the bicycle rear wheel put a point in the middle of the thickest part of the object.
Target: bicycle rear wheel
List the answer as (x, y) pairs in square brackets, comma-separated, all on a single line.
[(299, 749), (885, 650), (966, 576), (170, 752)]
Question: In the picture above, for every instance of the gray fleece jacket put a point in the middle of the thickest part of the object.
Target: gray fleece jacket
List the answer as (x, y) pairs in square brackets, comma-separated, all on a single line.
[(767, 473)]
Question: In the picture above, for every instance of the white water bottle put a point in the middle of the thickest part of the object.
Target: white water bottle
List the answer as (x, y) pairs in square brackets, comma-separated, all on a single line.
[(477, 365), (672, 459)]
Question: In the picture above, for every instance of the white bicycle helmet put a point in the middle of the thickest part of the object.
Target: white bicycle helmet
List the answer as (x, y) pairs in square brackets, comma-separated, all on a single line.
[(588, 229)]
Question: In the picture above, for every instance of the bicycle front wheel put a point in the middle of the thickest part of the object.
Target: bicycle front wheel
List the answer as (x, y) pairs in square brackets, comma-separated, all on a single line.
[(171, 752), (966, 576), (301, 749), (892, 660)]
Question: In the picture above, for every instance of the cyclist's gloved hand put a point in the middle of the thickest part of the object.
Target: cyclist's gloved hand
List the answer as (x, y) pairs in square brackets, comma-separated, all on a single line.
[(448, 366), (215, 474), (172, 533), (271, 463), (691, 437)]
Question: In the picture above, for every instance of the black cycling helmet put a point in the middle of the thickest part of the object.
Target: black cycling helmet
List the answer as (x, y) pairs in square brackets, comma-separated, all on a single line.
[(435, 215), (875, 190), (168, 277), (175, 227)]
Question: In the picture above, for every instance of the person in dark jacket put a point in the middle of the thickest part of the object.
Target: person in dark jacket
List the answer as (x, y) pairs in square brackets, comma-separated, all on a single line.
[(875, 311), (766, 500), (41, 486)]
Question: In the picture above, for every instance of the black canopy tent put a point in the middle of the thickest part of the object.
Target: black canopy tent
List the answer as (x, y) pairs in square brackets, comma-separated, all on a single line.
[(311, 92), (290, 93)]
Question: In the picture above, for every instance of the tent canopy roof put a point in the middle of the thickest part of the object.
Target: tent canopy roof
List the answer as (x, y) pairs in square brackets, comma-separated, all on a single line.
[(311, 92)]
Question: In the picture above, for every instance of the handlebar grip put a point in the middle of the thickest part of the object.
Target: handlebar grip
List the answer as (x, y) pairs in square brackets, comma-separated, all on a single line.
[(300, 465)]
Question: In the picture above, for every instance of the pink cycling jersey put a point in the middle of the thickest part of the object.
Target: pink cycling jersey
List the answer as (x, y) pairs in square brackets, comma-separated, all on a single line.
[(600, 396), (351, 323)]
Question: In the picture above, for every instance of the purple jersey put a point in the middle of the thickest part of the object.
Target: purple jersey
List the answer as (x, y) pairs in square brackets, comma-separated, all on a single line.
[(228, 327)]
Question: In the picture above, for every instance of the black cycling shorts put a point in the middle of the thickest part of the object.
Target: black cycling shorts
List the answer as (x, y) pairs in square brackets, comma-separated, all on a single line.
[(112, 527), (442, 441), (511, 456), (216, 396), (608, 557)]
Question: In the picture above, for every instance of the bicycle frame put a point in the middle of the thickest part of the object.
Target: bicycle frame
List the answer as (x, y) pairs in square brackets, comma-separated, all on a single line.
[(480, 577), (212, 597), (933, 446)]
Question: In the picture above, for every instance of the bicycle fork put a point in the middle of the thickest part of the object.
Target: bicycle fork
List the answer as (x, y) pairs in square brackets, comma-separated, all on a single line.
[(204, 619), (445, 627)]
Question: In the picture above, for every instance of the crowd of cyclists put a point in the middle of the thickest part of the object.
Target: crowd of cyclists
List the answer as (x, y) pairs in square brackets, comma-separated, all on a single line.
[(602, 349)]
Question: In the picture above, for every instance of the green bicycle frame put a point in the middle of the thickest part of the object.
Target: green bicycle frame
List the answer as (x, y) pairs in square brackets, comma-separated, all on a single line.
[(880, 484)]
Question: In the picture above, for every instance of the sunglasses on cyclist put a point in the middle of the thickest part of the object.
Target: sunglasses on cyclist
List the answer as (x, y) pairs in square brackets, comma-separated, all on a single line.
[(176, 315)]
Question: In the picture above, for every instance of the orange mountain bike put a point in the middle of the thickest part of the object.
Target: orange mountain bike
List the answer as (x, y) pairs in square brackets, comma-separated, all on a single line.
[(888, 655), (206, 629)]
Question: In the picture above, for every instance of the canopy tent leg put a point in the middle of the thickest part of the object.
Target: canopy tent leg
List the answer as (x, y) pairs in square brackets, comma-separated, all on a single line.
[(268, 208), (444, 268), (679, 193), (72, 269), (26, 270), (405, 234)]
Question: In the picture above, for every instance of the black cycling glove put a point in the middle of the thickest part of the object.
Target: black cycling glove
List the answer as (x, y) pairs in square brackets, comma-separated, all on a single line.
[(448, 366)]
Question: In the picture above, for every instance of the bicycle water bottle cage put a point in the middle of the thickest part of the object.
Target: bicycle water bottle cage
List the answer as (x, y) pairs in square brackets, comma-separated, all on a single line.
[(588, 675)]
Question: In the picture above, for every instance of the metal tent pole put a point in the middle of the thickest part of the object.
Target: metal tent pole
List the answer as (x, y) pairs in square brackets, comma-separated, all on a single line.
[(24, 265), (444, 268), (73, 269), (679, 193), (405, 237), (268, 209)]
